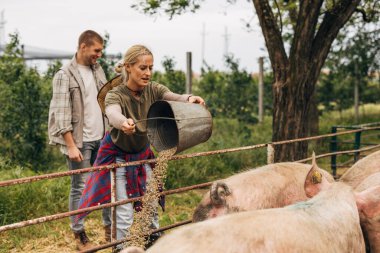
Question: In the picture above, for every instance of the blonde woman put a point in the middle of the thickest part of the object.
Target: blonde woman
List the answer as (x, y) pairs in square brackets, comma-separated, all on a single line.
[(125, 104)]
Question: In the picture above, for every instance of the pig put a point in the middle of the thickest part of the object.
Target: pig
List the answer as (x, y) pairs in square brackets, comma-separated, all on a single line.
[(362, 169), (270, 186), (132, 249), (370, 221), (371, 180), (328, 222)]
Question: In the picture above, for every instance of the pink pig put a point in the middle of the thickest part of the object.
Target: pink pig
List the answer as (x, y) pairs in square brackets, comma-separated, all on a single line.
[(362, 169), (270, 186), (370, 219), (329, 222)]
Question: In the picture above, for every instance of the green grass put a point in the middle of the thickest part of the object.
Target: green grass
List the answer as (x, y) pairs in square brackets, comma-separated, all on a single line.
[(47, 197)]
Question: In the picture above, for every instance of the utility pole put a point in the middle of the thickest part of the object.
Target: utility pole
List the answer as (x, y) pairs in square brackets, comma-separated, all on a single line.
[(2, 29), (189, 73), (226, 40), (356, 93), (261, 89), (203, 44)]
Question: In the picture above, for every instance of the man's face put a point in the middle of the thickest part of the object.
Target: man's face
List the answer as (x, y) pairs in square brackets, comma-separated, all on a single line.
[(92, 53)]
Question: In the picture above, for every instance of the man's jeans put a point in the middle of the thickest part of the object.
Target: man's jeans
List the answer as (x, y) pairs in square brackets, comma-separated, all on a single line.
[(89, 152), (124, 213)]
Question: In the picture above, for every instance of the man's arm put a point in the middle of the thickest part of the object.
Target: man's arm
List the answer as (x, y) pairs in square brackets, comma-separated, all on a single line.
[(63, 114), (61, 105), (72, 150)]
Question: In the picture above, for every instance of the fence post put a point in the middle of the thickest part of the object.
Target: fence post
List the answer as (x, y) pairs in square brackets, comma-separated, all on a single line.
[(270, 153), (333, 149), (261, 89), (113, 199), (357, 145), (189, 73)]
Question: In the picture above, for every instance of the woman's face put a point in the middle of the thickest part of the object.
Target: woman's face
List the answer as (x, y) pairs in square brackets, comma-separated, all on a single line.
[(140, 72)]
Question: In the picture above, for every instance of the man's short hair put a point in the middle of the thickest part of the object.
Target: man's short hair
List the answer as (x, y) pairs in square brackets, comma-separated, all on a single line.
[(88, 37)]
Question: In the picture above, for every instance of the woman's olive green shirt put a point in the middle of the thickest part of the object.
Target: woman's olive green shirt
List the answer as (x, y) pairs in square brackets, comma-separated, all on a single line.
[(136, 109)]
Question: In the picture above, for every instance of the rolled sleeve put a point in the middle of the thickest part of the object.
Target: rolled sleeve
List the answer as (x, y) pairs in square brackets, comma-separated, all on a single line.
[(115, 116), (61, 104), (170, 96)]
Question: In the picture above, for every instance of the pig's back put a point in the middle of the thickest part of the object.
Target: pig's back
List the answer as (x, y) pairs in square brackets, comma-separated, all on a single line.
[(362, 169), (264, 231), (269, 186), (370, 181)]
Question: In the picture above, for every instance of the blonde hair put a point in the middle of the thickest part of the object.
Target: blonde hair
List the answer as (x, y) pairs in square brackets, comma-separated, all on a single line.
[(130, 58)]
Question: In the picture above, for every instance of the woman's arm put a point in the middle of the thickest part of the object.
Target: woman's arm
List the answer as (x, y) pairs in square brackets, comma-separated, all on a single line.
[(171, 96), (118, 120)]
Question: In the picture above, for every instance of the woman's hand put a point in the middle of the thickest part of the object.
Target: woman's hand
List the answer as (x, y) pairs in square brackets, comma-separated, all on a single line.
[(196, 100), (128, 127)]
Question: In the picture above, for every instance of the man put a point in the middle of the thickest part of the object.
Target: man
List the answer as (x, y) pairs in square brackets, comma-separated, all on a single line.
[(76, 122)]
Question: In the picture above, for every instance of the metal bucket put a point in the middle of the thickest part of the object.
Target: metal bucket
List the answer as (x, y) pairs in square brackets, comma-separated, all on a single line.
[(177, 124)]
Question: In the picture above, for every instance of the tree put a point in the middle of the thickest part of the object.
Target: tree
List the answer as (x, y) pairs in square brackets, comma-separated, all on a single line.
[(106, 63), (23, 109), (312, 28), (353, 59), (175, 80)]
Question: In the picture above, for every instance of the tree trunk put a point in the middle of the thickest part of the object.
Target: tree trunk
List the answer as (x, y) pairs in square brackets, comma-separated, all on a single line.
[(290, 118), (296, 75), (313, 122)]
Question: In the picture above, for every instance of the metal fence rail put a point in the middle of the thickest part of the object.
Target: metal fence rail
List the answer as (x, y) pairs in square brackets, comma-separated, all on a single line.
[(178, 157), (356, 143), (112, 167)]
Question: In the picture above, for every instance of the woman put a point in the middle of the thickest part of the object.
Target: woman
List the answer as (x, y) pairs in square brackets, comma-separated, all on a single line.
[(125, 104)]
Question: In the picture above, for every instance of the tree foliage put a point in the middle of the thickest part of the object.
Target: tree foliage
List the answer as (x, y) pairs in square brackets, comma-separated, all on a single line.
[(298, 36), (170, 7), (175, 80), (107, 63), (231, 94), (23, 109), (354, 58)]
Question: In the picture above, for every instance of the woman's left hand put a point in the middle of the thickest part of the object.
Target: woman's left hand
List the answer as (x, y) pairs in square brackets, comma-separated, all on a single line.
[(196, 100)]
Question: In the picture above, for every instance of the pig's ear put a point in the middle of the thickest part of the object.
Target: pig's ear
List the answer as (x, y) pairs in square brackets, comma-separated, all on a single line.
[(368, 202), (218, 193), (314, 182)]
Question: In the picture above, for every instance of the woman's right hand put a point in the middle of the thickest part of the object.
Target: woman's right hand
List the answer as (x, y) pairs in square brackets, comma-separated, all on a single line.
[(128, 127)]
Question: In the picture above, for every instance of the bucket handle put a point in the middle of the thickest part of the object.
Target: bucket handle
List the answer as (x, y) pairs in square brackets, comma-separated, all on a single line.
[(155, 118)]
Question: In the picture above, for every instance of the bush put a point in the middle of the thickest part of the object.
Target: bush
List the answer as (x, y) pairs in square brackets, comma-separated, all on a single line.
[(30, 200)]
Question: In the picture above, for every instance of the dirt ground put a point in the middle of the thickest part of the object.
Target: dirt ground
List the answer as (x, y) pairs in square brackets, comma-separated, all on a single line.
[(59, 240), (56, 236)]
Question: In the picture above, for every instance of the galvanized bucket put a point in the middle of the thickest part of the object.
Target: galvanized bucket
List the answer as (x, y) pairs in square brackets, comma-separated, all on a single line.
[(176, 124)]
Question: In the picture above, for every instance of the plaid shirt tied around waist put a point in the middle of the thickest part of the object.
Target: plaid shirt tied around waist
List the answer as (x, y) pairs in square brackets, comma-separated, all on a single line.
[(97, 188)]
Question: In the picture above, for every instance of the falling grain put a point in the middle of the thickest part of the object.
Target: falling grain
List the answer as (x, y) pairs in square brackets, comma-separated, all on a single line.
[(142, 220)]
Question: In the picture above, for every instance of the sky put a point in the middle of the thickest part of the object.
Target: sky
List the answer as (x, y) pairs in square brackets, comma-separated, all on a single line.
[(53, 24)]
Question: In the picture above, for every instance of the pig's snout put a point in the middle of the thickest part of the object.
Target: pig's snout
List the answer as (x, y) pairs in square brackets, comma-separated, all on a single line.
[(218, 193)]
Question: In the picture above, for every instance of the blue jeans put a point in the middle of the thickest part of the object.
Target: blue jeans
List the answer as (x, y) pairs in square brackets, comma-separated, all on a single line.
[(124, 213), (89, 151)]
